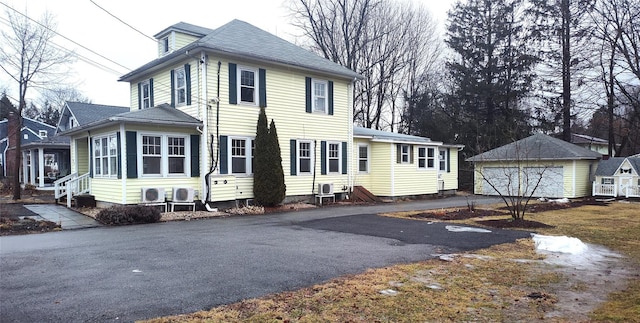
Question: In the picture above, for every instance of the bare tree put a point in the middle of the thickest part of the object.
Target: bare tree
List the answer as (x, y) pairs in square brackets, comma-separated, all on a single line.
[(380, 39), (30, 58)]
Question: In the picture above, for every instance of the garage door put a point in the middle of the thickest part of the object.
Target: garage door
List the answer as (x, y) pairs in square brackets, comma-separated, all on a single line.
[(551, 181), (500, 181)]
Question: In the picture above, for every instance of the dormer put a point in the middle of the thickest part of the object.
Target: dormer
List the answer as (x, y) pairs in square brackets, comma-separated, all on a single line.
[(177, 36)]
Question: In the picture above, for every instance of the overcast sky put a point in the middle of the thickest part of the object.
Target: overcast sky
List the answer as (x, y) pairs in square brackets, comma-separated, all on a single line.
[(86, 24)]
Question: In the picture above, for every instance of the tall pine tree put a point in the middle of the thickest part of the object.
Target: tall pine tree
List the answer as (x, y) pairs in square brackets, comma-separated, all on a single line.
[(268, 177), (491, 73)]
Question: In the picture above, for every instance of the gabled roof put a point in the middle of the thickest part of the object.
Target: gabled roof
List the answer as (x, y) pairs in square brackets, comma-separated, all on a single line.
[(379, 135), (240, 39), (32, 125), (610, 166), (537, 147), (585, 139), (160, 115), (186, 28), (86, 113), (49, 142)]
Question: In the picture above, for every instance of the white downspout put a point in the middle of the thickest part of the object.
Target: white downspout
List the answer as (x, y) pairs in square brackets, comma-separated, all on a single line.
[(41, 167), (350, 145), (205, 128), (123, 162)]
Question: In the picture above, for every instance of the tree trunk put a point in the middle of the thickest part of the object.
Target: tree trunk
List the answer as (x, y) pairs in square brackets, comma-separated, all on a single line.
[(566, 71)]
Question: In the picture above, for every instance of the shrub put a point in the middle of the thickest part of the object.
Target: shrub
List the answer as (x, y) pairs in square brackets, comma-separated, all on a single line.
[(122, 215)]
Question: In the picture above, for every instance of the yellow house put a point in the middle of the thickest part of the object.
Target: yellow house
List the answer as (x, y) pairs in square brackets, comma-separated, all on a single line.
[(393, 165), (189, 133), (538, 166)]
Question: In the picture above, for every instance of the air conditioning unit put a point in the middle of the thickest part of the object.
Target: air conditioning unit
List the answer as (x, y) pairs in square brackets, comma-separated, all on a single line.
[(183, 194), (152, 194), (325, 189)]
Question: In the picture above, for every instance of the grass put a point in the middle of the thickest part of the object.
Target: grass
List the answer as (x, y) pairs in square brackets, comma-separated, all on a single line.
[(489, 285)]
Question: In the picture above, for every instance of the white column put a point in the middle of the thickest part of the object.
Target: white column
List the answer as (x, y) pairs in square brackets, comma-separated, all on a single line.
[(25, 174), (32, 168), (41, 167)]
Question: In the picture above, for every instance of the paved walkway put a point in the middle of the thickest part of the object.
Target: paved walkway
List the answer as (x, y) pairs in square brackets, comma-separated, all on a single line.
[(67, 218)]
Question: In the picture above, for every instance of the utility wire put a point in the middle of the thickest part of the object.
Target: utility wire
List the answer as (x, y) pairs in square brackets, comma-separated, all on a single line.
[(122, 21), (55, 32)]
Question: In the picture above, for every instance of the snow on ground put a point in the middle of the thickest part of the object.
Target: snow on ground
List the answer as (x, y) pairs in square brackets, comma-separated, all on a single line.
[(571, 252), (456, 228)]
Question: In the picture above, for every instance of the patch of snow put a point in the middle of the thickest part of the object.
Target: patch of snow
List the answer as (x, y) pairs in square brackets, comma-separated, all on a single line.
[(571, 252), (456, 228), (389, 292), (560, 201), (449, 257), (561, 244), (435, 286), (136, 271), (542, 199)]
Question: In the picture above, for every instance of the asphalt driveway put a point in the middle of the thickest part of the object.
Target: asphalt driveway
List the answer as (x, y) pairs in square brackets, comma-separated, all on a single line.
[(135, 272)]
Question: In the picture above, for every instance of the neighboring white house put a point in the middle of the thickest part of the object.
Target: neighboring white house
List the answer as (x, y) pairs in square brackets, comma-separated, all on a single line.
[(618, 176)]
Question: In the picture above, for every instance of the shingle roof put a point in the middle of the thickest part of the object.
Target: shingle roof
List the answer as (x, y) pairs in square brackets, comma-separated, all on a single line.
[(390, 136), (51, 142), (256, 44), (585, 139), (160, 115), (537, 147), (610, 166), (86, 113)]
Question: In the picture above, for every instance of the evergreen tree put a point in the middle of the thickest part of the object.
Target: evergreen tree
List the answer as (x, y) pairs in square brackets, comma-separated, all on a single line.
[(268, 177), (491, 73)]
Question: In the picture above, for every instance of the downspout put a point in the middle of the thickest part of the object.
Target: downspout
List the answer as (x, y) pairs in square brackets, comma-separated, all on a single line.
[(214, 158), (350, 164), (205, 124), (123, 161)]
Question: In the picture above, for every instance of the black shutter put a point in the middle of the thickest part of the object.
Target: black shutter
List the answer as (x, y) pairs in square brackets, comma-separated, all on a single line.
[(344, 157), (224, 169), (448, 160), (119, 152), (398, 153), (151, 92), (139, 95), (323, 157), (173, 89), (187, 77), (90, 157), (411, 154), (233, 84), (331, 97), (132, 154), (262, 79), (293, 156), (307, 83), (195, 155)]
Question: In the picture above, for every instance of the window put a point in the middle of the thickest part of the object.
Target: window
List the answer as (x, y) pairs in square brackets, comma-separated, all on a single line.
[(25, 136), (304, 157), (241, 155), (404, 153), (319, 96), (151, 155), (333, 152), (363, 158), (164, 155), (42, 133), (145, 94), (180, 86), (443, 160), (165, 44), (247, 85), (177, 155), (72, 122), (607, 181), (426, 157), (105, 156)]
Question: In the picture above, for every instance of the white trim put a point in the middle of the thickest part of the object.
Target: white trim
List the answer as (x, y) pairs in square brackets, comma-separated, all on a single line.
[(141, 99), (92, 155), (256, 84), (314, 96), (312, 149), (123, 162), (176, 89), (402, 154), (444, 159), (573, 184), (427, 158), (248, 141), (329, 143), (164, 154), (368, 160), (205, 128), (393, 173)]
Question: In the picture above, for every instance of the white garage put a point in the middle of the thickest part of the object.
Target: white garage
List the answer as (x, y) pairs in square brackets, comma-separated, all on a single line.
[(547, 166)]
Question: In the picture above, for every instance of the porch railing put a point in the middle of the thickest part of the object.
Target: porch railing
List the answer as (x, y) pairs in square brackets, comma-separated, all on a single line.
[(633, 191), (71, 185), (604, 190)]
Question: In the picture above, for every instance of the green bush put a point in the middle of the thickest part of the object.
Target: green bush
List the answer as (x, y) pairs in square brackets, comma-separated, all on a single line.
[(269, 188), (122, 215)]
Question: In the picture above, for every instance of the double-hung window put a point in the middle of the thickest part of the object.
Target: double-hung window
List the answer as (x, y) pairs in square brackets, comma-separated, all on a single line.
[(105, 156), (180, 82), (333, 160), (422, 157), (363, 158), (145, 94), (247, 85), (241, 155), (305, 151), (443, 160), (164, 155), (319, 96), (404, 154), (426, 157)]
